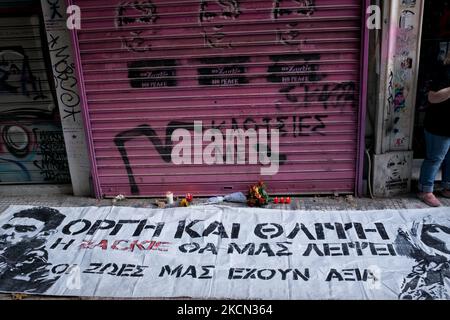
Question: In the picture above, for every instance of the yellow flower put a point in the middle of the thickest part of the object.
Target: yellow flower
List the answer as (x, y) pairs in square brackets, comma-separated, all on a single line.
[(184, 203)]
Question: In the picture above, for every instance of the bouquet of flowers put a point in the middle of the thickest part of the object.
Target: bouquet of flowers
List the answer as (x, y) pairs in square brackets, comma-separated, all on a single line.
[(186, 201), (257, 195)]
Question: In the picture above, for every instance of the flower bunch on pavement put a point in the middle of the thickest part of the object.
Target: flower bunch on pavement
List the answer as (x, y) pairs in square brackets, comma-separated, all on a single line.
[(186, 201), (257, 195)]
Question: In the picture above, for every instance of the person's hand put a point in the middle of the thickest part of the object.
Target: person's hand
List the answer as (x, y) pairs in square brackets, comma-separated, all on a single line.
[(447, 93), (439, 96)]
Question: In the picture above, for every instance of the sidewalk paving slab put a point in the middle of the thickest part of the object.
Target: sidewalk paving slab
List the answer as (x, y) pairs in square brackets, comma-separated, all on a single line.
[(324, 203)]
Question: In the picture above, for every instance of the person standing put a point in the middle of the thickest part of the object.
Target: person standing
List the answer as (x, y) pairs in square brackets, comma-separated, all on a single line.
[(437, 137)]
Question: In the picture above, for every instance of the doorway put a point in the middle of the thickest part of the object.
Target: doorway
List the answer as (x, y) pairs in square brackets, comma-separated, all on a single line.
[(32, 149), (435, 45)]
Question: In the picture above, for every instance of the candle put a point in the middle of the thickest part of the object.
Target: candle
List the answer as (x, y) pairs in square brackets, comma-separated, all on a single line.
[(275, 200), (282, 200), (169, 197), (288, 200)]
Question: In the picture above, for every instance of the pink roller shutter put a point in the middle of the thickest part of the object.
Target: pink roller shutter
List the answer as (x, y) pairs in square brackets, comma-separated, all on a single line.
[(150, 67)]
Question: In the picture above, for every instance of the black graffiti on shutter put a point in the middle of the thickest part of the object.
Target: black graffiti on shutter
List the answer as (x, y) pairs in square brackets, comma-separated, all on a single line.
[(164, 148), (297, 7), (223, 71), (152, 73), (54, 6), (282, 71), (65, 78), (16, 75)]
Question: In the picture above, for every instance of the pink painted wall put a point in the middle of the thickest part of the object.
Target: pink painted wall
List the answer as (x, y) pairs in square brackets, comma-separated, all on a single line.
[(157, 65)]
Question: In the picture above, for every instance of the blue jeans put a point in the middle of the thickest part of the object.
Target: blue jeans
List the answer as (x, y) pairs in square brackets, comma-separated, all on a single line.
[(438, 155)]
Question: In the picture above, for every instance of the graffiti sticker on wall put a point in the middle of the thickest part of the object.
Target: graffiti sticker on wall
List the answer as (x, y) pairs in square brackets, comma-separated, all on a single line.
[(16, 76), (152, 73), (223, 71)]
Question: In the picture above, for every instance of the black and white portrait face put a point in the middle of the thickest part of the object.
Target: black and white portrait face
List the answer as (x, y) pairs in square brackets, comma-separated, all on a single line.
[(135, 20), (20, 229), (213, 14), (23, 254), (29, 224), (396, 166), (291, 10)]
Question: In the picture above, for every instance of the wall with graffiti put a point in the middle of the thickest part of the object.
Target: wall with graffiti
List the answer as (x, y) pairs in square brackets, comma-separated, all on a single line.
[(402, 75), (152, 66), (401, 46), (31, 142), (435, 47)]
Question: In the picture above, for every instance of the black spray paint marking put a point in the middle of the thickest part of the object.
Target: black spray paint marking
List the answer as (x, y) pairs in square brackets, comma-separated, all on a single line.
[(288, 9), (65, 79), (283, 8), (54, 6), (136, 14), (164, 149), (287, 68), (152, 74), (339, 95), (53, 157), (212, 15), (227, 71), (14, 63)]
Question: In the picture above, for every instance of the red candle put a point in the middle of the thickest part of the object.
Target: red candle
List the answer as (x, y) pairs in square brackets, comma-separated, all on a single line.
[(275, 200), (288, 200), (282, 200)]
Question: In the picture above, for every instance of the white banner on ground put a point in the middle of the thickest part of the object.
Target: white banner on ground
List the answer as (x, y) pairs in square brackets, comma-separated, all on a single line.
[(224, 252)]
